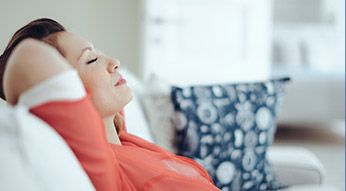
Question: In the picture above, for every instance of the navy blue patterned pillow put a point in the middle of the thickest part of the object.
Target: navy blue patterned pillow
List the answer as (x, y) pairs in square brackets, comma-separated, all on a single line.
[(227, 128)]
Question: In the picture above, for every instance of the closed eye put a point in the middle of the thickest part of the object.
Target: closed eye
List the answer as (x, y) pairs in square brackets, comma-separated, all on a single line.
[(91, 61)]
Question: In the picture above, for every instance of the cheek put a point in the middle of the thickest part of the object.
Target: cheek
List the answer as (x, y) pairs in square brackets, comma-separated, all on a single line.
[(97, 90), (90, 81), (101, 101)]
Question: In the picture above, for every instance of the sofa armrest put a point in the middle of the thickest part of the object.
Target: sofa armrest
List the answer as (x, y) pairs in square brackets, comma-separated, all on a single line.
[(312, 188), (295, 165)]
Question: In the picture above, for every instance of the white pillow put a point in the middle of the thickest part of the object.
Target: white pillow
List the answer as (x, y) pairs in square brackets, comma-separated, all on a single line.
[(34, 157), (135, 120), (2, 102), (159, 111)]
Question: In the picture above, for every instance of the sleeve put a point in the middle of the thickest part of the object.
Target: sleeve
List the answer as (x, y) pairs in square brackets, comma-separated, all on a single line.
[(62, 102)]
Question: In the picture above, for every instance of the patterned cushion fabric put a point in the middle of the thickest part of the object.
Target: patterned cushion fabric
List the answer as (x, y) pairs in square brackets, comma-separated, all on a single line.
[(227, 128)]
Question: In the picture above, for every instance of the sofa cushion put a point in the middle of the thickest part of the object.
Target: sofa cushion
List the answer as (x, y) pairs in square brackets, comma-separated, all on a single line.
[(135, 119), (305, 166), (159, 111), (227, 128), (311, 188), (34, 157)]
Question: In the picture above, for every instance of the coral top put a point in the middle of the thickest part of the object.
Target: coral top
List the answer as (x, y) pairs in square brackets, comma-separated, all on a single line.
[(134, 165)]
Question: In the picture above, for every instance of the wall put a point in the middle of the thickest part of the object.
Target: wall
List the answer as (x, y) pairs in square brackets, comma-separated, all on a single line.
[(309, 46), (309, 34), (112, 25)]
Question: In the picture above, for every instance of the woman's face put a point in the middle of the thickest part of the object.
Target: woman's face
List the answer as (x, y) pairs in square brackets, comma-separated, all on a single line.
[(99, 73)]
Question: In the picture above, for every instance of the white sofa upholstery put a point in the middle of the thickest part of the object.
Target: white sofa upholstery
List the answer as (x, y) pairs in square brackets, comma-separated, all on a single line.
[(300, 162), (324, 102), (312, 188), (33, 157)]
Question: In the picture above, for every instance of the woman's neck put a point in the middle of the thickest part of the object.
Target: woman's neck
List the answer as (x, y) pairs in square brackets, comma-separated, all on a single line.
[(111, 132)]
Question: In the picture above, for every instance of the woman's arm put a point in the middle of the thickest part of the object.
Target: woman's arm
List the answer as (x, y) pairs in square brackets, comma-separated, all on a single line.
[(36, 69), (31, 63)]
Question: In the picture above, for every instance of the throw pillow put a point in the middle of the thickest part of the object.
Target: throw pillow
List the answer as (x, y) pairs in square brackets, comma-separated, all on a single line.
[(159, 111), (227, 128), (135, 119)]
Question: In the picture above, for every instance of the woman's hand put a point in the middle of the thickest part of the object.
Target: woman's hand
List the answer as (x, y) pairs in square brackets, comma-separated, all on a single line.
[(31, 62)]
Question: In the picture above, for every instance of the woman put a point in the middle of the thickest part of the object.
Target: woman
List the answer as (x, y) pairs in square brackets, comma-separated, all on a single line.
[(39, 75)]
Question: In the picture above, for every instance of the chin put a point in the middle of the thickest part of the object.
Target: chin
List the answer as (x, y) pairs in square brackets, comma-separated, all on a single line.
[(130, 97), (127, 96)]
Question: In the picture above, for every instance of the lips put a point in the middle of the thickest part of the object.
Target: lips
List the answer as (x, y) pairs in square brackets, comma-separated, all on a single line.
[(121, 81)]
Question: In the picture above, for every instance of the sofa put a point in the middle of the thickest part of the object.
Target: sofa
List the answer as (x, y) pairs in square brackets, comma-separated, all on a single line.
[(296, 167), (27, 163)]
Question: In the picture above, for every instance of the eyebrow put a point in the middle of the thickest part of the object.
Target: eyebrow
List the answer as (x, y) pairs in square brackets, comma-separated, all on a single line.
[(84, 49)]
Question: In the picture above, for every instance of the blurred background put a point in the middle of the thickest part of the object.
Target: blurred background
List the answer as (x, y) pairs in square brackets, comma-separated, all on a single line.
[(208, 41)]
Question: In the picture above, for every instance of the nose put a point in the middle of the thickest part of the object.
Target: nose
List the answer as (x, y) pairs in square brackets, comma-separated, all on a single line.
[(113, 65)]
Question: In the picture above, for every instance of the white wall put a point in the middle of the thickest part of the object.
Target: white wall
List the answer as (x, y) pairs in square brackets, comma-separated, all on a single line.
[(112, 25), (309, 46)]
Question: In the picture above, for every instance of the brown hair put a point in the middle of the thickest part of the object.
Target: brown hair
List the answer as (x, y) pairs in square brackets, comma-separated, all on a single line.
[(119, 123), (45, 30), (39, 29)]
